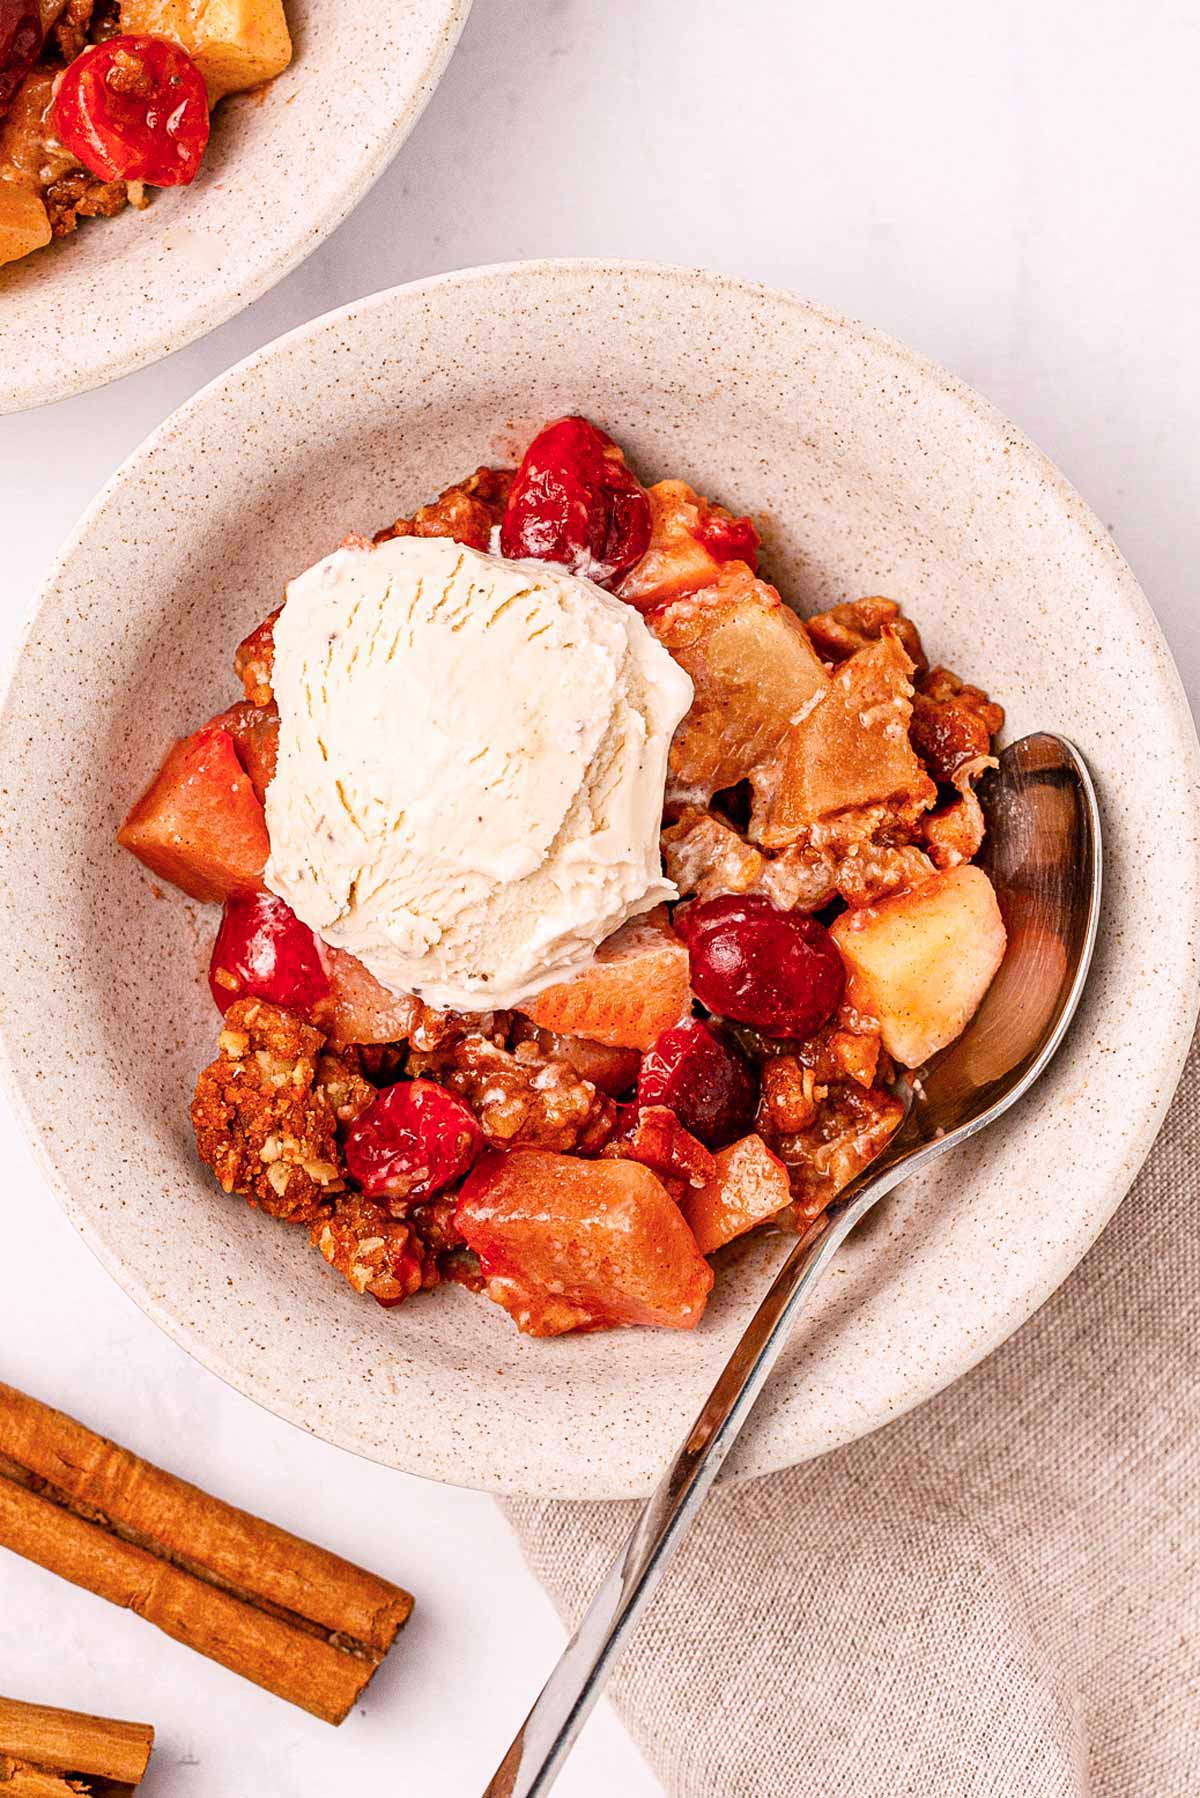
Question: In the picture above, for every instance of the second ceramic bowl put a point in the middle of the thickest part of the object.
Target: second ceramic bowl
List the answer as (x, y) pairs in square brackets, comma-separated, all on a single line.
[(871, 472), (285, 165)]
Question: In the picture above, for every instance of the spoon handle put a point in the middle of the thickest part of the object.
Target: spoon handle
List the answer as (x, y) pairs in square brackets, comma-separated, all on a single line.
[(544, 1740)]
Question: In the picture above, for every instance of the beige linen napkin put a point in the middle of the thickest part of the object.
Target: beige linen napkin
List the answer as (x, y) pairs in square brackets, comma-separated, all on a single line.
[(997, 1596)]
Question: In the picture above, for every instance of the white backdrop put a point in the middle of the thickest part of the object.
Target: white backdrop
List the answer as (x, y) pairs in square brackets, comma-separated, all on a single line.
[(1012, 191)]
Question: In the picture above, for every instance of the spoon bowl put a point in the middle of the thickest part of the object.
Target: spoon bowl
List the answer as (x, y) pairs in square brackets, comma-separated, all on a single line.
[(1043, 856)]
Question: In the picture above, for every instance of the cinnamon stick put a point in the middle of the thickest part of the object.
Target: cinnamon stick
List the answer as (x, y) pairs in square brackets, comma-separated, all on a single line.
[(46, 1753), (295, 1619)]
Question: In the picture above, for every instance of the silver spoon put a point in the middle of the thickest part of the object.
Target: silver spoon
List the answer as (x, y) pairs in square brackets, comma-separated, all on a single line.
[(1043, 854)]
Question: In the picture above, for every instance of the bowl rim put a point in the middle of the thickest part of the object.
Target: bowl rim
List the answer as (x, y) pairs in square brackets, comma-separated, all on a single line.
[(27, 392), (482, 1471)]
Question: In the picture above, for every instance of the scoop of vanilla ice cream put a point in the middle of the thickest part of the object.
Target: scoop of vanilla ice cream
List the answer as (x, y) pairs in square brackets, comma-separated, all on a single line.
[(472, 757)]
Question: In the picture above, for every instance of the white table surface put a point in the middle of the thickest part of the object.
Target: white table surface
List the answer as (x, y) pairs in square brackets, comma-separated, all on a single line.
[(1009, 189)]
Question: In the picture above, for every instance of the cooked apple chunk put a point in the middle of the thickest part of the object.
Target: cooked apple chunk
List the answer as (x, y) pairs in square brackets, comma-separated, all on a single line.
[(200, 824), (24, 222), (920, 962), (255, 733), (358, 1009), (749, 1186), (637, 987), (234, 43), (847, 749), (566, 1244), (754, 672), (690, 538)]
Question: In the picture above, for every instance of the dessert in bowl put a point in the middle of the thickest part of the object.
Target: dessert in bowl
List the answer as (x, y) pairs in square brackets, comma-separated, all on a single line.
[(470, 1033), (102, 101), (866, 472)]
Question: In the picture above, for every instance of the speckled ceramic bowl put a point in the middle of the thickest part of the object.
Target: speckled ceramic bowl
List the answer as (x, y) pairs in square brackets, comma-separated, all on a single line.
[(284, 167), (871, 472)]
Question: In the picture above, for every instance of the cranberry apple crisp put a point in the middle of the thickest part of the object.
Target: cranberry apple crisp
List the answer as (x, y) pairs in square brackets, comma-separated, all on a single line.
[(101, 98), (726, 1058)]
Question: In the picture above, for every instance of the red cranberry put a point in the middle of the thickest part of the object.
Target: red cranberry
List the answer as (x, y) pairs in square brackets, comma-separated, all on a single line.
[(412, 1140), (777, 971), (20, 46), (729, 539), (134, 109), (703, 1078), (574, 501), (263, 951)]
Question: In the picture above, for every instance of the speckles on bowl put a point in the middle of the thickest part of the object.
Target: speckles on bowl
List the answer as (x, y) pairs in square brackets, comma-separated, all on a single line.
[(877, 473)]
